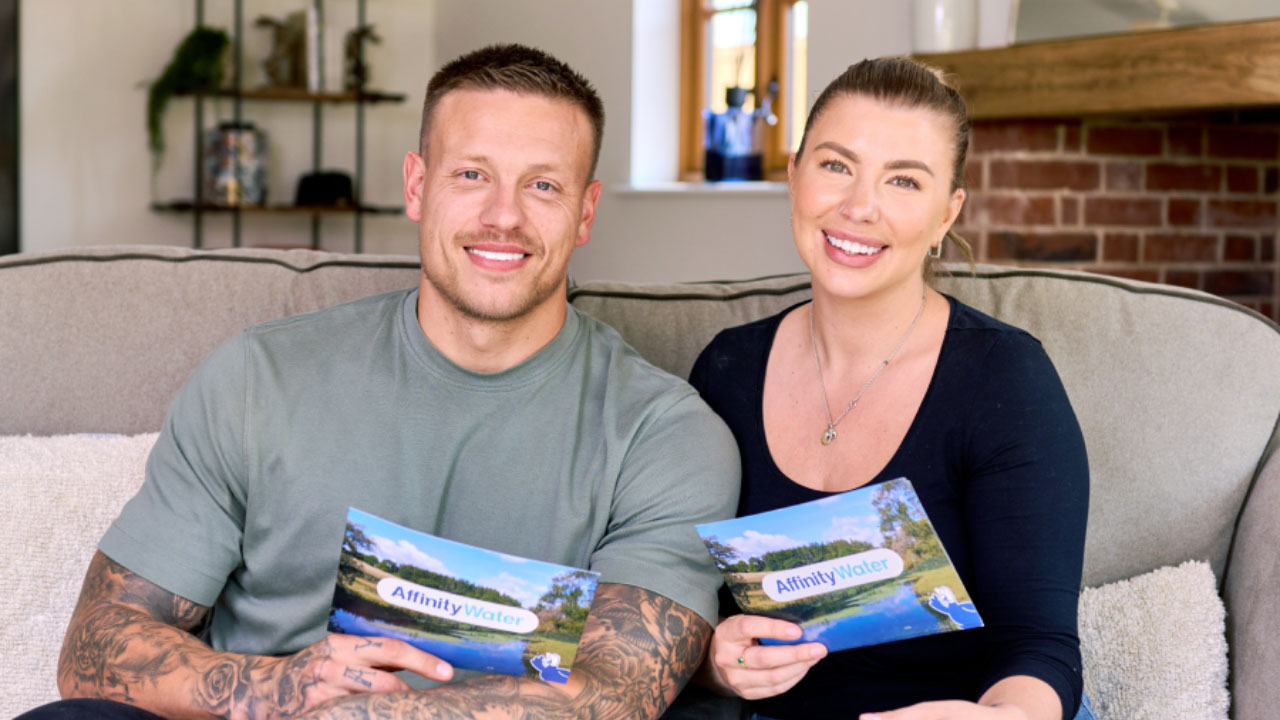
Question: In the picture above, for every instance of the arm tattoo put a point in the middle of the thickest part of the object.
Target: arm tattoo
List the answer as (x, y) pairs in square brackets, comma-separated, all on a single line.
[(132, 641), (637, 651)]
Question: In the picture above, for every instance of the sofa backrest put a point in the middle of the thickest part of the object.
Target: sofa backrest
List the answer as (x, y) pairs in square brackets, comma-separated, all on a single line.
[(1177, 391), (98, 339)]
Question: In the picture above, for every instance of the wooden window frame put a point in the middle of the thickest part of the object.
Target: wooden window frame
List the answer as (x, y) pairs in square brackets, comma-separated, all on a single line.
[(770, 63)]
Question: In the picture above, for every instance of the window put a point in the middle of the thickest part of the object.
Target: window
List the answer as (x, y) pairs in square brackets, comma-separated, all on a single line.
[(760, 45)]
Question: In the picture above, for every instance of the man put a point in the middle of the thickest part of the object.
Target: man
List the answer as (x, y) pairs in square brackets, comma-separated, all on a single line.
[(480, 407)]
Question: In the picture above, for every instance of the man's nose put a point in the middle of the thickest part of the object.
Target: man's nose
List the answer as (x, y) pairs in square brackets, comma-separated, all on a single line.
[(503, 210)]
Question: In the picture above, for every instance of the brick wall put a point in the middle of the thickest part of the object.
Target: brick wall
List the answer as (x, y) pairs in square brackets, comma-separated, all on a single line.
[(1189, 200)]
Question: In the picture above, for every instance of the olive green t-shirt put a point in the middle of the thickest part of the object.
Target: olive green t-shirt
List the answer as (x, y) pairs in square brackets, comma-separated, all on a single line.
[(583, 455)]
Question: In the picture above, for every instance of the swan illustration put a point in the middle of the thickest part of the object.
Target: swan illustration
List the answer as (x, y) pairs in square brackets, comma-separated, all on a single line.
[(548, 666), (943, 599)]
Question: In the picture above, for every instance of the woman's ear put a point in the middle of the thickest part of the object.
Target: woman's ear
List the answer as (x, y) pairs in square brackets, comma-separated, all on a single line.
[(953, 209)]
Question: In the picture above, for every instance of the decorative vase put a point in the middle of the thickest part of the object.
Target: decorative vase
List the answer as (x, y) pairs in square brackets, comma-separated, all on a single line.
[(944, 25), (235, 165), (997, 23)]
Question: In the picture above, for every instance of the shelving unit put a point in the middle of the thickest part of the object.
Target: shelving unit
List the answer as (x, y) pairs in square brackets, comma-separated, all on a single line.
[(198, 208)]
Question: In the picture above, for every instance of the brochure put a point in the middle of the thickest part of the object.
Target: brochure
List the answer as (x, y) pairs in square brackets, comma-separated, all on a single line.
[(474, 608), (859, 568)]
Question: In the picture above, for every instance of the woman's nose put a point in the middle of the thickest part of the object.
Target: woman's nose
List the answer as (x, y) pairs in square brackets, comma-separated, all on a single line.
[(860, 204)]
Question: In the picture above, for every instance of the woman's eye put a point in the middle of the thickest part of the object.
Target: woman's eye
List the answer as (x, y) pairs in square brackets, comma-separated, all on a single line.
[(905, 182), (833, 165)]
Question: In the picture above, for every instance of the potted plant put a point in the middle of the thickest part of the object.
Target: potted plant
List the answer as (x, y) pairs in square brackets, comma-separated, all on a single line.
[(197, 65)]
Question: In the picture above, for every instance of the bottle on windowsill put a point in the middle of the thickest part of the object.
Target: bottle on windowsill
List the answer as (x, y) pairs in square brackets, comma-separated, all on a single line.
[(734, 139)]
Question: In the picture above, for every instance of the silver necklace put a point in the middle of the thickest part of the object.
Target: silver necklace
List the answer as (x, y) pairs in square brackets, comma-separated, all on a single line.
[(830, 433)]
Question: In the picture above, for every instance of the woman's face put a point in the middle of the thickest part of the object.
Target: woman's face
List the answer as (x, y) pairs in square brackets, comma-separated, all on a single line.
[(871, 195)]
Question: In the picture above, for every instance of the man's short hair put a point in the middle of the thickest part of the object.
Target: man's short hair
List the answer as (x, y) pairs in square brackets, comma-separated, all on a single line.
[(519, 69)]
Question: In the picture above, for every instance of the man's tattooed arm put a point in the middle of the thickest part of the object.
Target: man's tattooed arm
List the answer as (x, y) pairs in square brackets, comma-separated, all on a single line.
[(637, 651), (134, 642)]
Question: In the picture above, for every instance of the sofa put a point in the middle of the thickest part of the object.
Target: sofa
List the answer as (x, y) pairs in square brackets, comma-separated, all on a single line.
[(1178, 394)]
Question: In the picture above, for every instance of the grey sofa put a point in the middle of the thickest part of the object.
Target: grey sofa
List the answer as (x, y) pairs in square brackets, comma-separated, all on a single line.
[(1178, 394)]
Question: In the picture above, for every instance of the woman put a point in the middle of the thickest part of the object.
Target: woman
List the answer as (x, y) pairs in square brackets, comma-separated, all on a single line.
[(882, 377)]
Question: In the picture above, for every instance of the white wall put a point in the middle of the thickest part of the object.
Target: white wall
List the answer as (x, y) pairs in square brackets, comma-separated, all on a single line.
[(85, 163)]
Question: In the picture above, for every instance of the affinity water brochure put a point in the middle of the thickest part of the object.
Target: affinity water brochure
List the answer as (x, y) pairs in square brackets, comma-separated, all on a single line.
[(857, 568), (475, 608)]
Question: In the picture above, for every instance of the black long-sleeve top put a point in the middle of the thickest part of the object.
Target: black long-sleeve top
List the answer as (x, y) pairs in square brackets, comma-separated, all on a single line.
[(998, 461)]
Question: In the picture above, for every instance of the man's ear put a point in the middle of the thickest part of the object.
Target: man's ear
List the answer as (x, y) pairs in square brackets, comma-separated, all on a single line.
[(589, 200), (415, 170)]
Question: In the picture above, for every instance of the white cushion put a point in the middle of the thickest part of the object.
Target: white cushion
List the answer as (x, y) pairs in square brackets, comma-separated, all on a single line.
[(1154, 646), (59, 495)]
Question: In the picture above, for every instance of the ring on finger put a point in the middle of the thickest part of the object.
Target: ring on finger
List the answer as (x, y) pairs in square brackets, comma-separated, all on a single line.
[(742, 659)]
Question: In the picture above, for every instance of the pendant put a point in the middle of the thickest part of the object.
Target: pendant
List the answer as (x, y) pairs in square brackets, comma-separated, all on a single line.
[(828, 435)]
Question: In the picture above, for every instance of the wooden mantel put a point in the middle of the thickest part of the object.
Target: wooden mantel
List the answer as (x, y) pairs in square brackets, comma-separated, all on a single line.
[(1234, 65)]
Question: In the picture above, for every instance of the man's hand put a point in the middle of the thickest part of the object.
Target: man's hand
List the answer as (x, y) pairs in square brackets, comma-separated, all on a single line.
[(341, 665), (637, 650), (134, 642)]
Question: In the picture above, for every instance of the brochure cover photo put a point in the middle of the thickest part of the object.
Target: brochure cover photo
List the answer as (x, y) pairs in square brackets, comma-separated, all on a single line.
[(474, 608), (859, 568)]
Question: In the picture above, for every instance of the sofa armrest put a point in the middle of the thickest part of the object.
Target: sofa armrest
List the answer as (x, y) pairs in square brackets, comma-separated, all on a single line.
[(1251, 592)]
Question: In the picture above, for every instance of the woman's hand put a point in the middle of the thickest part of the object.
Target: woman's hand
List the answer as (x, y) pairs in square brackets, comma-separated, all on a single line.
[(1018, 697), (739, 663), (949, 710)]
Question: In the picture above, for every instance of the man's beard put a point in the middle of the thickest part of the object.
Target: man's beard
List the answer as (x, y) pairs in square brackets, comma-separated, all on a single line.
[(472, 307)]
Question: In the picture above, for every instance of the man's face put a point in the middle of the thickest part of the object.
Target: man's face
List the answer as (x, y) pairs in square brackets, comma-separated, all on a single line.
[(502, 198)]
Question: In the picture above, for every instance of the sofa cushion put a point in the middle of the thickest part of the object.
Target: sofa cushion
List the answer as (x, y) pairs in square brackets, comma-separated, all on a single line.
[(1155, 646), (62, 492), (98, 339)]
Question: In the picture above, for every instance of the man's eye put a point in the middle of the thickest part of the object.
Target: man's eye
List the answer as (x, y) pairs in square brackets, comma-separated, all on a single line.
[(544, 186), (470, 175)]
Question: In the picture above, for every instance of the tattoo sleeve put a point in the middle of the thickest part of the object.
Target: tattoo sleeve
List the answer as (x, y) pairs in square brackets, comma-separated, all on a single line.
[(134, 642), (637, 651)]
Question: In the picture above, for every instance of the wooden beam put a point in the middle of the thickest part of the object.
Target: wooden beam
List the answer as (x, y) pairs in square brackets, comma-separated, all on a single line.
[(1232, 65)]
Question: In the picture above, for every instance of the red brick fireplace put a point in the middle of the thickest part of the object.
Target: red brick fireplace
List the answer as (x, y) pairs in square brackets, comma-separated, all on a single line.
[(1149, 155), (1187, 200)]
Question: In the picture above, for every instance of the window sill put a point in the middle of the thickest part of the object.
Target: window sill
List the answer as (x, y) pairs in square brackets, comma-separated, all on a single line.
[(733, 188)]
